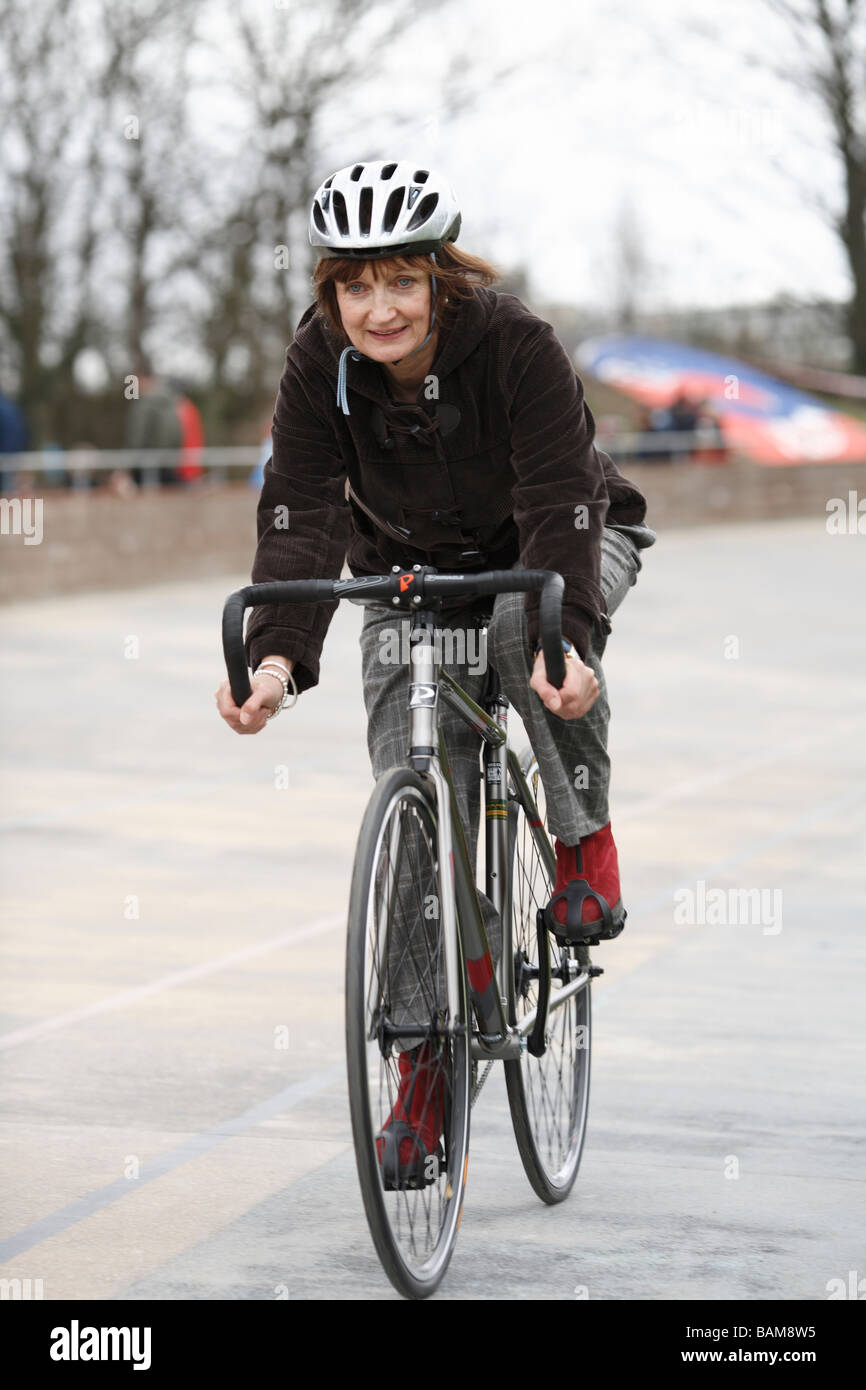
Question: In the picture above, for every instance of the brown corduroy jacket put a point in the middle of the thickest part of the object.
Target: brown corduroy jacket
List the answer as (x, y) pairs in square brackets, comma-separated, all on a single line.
[(494, 464)]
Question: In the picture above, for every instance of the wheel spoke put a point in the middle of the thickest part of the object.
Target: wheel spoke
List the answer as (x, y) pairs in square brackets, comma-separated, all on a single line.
[(548, 1094), (396, 935)]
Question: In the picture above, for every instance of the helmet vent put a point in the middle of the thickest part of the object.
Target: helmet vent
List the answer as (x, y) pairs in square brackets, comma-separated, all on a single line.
[(373, 210), (365, 211), (342, 220), (393, 208), (424, 210)]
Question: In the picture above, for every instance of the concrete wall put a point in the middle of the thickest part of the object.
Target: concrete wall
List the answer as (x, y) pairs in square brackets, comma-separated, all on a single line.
[(97, 540)]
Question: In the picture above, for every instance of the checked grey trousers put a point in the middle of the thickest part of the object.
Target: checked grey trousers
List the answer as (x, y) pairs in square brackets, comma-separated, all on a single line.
[(572, 754)]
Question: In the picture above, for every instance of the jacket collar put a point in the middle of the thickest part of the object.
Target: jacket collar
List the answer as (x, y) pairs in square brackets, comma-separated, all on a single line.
[(459, 335)]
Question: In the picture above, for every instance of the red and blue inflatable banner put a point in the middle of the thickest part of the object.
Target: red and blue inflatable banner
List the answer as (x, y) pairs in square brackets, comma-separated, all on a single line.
[(770, 421)]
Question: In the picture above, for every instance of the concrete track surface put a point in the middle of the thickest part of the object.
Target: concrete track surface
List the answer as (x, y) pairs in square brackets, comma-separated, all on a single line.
[(176, 1120)]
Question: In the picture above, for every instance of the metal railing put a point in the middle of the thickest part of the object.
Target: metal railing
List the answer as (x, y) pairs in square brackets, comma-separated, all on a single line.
[(216, 462), (647, 443), (124, 460)]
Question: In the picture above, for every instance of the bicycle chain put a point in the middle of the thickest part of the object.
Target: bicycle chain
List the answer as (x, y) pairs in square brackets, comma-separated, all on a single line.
[(479, 1083)]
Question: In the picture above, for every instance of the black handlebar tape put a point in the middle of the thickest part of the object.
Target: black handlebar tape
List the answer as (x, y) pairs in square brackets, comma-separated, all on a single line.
[(550, 629), (233, 648), (552, 588), (549, 582), (281, 591)]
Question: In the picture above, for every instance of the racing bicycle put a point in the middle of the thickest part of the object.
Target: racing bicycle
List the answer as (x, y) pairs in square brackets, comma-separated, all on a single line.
[(420, 970)]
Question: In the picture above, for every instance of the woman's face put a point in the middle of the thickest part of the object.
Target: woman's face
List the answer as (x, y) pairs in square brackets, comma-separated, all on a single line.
[(386, 319)]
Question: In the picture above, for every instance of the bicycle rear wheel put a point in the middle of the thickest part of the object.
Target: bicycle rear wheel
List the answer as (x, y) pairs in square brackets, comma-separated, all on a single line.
[(548, 1095), (396, 999)]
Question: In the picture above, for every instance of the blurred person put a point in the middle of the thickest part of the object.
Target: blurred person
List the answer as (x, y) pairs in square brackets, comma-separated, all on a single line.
[(14, 439), (56, 474), (683, 419), (711, 444), (648, 424), (153, 423), (460, 423), (190, 468)]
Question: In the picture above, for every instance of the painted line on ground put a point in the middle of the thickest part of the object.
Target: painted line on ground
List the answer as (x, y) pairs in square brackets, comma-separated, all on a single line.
[(315, 1085), (126, 997), (168, 1162), (692, 786), (665, 898)]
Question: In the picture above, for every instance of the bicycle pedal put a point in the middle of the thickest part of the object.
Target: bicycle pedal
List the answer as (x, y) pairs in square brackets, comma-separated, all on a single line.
[(420, 1174), (565, 936), (596, 940), (416, 1182)]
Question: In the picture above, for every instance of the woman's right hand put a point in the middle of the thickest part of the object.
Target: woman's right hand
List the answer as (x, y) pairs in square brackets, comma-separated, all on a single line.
[(252, 716)]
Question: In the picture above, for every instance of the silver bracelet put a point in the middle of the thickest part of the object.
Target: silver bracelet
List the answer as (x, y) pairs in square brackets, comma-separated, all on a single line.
[(272, 661), (290, 677), (284, 685), (271, 668)]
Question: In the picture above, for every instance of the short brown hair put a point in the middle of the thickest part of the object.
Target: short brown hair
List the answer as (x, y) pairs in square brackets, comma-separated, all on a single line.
[(456, 274)]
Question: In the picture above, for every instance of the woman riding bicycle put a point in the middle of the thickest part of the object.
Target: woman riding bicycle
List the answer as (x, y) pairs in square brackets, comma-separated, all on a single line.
[(460, 425)]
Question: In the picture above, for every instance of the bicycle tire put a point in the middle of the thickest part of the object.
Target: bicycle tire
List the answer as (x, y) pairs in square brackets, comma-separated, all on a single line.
[(548, 1111), (414, 1230)]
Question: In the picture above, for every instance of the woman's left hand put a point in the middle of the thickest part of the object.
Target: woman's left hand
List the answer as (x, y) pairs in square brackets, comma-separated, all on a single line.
[(578, 694)]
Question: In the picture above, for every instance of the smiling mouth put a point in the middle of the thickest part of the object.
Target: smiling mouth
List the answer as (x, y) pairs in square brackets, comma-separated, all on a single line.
[(393, 334)]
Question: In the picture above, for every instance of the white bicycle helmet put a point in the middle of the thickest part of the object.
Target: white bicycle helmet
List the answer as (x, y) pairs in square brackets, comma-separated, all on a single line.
[(383, 208)]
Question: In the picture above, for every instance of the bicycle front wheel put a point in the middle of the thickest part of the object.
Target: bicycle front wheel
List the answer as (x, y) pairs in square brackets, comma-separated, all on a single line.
[(406, 990), (548, 1095)]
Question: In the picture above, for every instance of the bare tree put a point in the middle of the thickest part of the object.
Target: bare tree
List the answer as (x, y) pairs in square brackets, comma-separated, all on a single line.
[(82, 199), (631, 267), (291, 64), (50, 169), (131, 228), (294, 66), (152, 159), (831, 36)]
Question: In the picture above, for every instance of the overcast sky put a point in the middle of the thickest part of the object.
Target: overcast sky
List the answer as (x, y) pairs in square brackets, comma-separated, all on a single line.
[(615, 100)]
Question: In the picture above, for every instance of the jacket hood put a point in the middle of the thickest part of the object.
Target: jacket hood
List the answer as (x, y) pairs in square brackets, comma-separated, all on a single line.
[(460, 331)]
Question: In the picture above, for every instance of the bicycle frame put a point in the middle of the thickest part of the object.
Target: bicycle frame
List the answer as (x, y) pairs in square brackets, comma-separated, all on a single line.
[(462, 918), (463, 923)]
